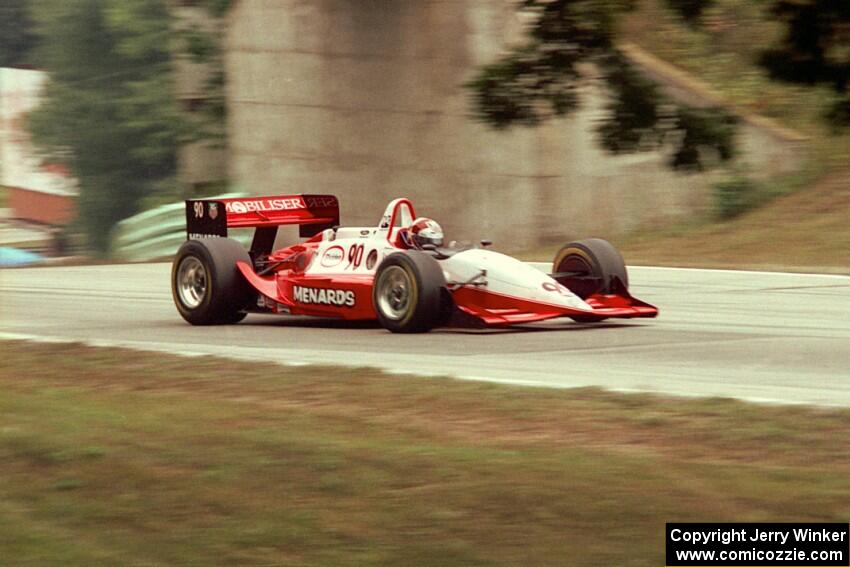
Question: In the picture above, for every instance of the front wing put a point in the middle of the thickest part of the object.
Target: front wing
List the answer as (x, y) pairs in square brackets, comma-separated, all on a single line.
[(496, 309)]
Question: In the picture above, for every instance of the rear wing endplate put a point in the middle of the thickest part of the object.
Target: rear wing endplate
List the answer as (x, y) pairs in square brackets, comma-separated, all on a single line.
[(212, 217)]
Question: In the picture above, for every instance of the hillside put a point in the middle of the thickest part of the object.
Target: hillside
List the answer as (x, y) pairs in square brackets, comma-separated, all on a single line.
[(804, 231), (807, 228), (724, 53)]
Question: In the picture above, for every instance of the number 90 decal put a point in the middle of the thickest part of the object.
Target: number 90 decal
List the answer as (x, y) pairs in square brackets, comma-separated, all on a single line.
[(355, 256), (337, 254)]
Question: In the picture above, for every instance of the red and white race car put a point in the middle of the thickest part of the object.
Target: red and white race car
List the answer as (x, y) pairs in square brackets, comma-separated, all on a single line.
[(398, 272)]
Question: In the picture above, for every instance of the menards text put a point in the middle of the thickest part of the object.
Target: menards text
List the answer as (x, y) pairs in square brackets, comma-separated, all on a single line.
[(312, 295)]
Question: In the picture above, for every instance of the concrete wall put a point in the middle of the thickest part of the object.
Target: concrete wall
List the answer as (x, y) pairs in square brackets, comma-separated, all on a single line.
[(364, 99)]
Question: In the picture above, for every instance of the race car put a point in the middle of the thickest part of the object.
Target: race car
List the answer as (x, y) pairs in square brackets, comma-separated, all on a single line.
[(399, 272)]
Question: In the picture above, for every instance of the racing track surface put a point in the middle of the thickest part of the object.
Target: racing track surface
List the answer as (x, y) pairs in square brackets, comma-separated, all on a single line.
[(758, 336)]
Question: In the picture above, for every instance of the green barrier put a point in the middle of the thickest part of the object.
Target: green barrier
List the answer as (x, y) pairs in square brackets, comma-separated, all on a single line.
[(157, 233)]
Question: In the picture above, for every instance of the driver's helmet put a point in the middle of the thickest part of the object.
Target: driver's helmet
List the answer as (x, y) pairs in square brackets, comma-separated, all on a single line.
[(424, 231)]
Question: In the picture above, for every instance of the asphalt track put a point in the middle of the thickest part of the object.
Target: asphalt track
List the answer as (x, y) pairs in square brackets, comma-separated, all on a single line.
[(766, 337)]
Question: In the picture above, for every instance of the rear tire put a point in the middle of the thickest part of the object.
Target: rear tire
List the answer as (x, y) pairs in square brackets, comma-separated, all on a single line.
[(206, 285), (408, 293), (596, 266)]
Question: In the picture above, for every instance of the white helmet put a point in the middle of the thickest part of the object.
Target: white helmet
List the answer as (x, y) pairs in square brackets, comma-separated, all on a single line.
[(425, 231)]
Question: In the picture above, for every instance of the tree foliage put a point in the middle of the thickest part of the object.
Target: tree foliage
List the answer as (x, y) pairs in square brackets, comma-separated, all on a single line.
[(109, 111), (538, 80), (690, 10), (815, 49), (204, 47), (640, 118), (17, 33), (217, 8)]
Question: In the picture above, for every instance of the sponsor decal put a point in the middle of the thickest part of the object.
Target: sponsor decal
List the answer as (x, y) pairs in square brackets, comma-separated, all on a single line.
[(264, 205), (365, 232), (555, 288), (321, 202), (355, 256), (213, 211), (198, 236), (333, 256), (321, 296), (371, 260)]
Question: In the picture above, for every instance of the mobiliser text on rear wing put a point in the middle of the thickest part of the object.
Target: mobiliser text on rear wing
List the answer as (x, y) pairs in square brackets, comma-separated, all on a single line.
[(212, 217), (313, 213)]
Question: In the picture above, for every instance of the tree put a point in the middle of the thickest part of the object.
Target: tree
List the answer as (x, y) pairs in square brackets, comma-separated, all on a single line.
[(537, 81), (17, 36), (204, 44), (205, 47), (815, 50), (108, 111), (217, 8), (690, 10)]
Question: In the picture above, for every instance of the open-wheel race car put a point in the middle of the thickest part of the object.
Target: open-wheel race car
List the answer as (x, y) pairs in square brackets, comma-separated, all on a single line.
[(398, 272)]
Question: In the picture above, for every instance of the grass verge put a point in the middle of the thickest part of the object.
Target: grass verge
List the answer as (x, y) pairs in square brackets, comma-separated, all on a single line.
[(118, 457), (805, 231)]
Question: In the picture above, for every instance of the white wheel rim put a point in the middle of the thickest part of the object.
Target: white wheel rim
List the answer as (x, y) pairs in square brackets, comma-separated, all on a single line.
[(394, 293), (191, 282)]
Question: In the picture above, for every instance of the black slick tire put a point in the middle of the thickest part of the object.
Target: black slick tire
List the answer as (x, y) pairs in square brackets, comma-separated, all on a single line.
[(409, 293), (592, 266), (206, 285)]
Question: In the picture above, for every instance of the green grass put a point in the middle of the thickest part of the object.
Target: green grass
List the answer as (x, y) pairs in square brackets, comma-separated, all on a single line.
[(111, 457)]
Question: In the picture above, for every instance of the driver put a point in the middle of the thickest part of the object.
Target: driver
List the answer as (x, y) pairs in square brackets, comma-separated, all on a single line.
[(423, 231)]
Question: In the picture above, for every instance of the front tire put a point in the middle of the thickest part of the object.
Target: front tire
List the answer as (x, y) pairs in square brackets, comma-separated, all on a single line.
[(590, 266), (206, 285), (408, 293)]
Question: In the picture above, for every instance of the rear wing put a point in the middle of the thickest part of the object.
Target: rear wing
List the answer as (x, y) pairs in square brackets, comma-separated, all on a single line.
[(212, 217)]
